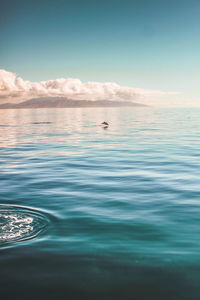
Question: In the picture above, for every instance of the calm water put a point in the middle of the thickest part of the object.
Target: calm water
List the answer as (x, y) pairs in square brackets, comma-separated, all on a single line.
[(92, 213)]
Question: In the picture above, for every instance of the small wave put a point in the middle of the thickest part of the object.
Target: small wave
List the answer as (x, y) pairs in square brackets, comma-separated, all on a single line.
[(4, 125), (38, 123), (18, 224)]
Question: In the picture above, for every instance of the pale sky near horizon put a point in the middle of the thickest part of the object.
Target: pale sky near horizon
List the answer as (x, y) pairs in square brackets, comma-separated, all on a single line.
[(148, 44)]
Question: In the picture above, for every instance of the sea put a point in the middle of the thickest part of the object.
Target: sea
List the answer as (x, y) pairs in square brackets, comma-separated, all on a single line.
[(95, 213)]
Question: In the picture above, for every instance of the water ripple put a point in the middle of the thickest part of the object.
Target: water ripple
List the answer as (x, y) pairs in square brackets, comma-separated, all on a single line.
[(19, 224)]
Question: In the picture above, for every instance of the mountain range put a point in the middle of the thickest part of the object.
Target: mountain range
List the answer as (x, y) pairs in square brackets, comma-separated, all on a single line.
[(61, 102)]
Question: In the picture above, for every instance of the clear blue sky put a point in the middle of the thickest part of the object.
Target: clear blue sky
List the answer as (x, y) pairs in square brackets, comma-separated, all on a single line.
[(139, 43)]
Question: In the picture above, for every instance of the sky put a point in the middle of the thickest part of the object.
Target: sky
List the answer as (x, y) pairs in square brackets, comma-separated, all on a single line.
[(138, 44)]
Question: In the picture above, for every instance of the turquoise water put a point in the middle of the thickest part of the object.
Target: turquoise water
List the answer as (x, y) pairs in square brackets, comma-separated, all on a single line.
[(93, 213)]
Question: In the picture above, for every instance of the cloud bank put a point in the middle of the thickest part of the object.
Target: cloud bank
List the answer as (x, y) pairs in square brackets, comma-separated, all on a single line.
[(15, 89)]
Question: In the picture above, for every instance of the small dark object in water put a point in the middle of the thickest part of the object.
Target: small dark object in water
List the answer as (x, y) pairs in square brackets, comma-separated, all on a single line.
[(104, 124)]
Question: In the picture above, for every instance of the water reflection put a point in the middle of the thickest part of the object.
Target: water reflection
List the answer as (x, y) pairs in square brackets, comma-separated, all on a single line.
[(77, 126), (19, 126)]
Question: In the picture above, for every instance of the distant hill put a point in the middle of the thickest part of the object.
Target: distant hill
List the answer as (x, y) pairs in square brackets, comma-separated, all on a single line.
[(61, 102)]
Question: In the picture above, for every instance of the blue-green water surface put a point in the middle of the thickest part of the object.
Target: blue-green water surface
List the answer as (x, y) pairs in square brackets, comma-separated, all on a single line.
[(119, 207)]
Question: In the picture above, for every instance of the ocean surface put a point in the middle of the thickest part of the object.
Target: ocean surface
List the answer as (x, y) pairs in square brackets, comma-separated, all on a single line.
[(100, 214)]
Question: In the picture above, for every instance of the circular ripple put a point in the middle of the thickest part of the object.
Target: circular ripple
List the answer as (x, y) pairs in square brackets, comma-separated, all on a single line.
[(18, 224)]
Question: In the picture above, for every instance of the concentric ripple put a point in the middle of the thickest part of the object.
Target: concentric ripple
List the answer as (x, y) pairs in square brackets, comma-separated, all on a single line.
[(18, 224)]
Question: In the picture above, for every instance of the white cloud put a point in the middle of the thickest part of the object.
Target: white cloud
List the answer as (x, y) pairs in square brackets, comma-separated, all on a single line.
[(16, 89)]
